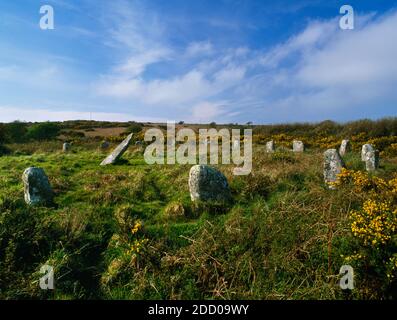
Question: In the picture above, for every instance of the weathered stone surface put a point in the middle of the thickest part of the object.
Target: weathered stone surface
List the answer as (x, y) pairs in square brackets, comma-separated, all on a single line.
[(105, 145), (298, 146), (372, 160), (66, 147), (345, 147), (333, 165), (364, 151), (270, 146), (118, 152), (208, 184), (37, 188)]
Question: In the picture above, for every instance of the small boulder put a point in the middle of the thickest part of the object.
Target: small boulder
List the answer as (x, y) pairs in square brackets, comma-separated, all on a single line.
[(37, 188), (66, 147), (333, 165), (118, 152), (345, 147), (105, 145), (208, 184), (298, 146), (270, 146)]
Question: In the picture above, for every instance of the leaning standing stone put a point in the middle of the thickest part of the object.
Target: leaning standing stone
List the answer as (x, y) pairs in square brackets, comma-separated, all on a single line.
[(372, 160), (37, 187), (270, 146), (364, 150), (345, 147), (208, 184), (298, 146), (118, 152), (333, 165), (66, 147)]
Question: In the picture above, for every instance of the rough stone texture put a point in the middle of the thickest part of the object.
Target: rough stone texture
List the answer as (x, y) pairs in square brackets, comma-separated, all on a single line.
[(372, 160), (298, 146), (66, 147), (37, 188), (208, 184), (270, 146), (118, 152), (364, 151), (333, 165), (345, 147), (105, 145)]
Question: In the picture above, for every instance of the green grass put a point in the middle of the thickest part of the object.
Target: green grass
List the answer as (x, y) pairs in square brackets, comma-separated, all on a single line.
[(281, 238)]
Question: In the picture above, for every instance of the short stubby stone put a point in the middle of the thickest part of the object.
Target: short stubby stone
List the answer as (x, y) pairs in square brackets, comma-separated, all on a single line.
[(105, 145), (364, 150), (298, 146), (333, 165), (270, 146), (208, 184), (372, 160), (66, 147), (345, 147), (37, 188), (118, 152)]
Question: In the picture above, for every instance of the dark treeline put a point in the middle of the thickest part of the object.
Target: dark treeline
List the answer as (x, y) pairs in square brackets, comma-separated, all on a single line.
[(372, 128)]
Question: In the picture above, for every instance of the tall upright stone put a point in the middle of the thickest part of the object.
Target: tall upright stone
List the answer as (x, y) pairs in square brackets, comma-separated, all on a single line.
[(365, 149), (298, 146), (118, 152), (37, 188), (270, 146), (345, 147), (333, 165), (208, 184), (66, 147), (372, 160)]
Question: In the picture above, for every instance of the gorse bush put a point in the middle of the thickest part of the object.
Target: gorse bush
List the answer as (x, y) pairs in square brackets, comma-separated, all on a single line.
[(374, 224), (43, 131)]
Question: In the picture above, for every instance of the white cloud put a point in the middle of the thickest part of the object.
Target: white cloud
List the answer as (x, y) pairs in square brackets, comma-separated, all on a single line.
[(200, 48), (9, 114)]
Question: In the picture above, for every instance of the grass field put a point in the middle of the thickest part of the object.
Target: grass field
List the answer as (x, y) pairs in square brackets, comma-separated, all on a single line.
[(130, 231)]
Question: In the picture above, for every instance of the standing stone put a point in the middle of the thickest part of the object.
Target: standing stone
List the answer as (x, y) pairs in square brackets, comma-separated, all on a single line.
[(333, 165), (298, 146), (66, 147), (118, 152), (37, 188), (364, 151), (207, 183), (270, 147), (345, 147), (104, 145), (372, 160)]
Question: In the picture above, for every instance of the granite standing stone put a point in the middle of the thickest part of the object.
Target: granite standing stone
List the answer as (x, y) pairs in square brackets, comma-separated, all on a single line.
[(333, 165), (372, 160), (118, 152), (270, 146), (104, 145), (364, 151), (298, 146), (345, 147), (66, 147), (37, 188), (208, 184)]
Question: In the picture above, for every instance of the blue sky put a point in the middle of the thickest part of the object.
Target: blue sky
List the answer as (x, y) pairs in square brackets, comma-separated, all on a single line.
[(198, 61)]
